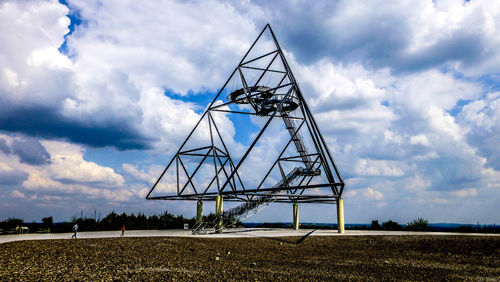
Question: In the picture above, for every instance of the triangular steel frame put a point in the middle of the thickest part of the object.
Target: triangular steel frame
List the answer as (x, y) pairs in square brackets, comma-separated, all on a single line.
[(262, 101)]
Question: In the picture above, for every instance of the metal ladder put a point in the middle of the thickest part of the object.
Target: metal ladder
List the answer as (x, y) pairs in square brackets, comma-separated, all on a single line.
[(297, 140)]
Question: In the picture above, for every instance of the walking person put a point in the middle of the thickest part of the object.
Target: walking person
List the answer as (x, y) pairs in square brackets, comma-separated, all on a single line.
[(123, 230), (75, 229)]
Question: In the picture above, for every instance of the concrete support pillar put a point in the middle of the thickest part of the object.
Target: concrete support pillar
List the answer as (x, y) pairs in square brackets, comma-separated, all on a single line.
[(340, 215), (199, 211), (296, 216), (219, 211)]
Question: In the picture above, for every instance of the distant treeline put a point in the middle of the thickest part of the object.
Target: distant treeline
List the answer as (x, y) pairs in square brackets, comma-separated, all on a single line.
[(418, 224), (112, 221), (166, 220)]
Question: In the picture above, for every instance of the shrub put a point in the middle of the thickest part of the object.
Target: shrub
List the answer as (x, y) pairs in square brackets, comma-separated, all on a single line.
[(11, 223), (47, 222), (418, 224), (464, 229), (391, 225), (375, 225)]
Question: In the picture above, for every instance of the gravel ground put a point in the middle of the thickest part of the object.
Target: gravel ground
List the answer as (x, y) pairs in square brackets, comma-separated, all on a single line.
[(290, 258)]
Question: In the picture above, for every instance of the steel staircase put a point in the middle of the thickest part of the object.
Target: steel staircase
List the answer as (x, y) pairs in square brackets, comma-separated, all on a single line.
[(250, 208), (247, 209)]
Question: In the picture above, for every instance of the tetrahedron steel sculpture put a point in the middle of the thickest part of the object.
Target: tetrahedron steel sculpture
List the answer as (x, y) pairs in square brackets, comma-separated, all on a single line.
[(257, 142)]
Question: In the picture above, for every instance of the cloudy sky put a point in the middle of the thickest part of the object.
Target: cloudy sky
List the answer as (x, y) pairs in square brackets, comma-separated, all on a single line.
[(96, 96)]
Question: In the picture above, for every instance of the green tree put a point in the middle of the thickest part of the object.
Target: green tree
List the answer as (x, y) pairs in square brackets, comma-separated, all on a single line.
[(141, 221), (110, 222), (47, 222), (418, 224), (375, 225), (11, 223), (87, 224), (391, 225)]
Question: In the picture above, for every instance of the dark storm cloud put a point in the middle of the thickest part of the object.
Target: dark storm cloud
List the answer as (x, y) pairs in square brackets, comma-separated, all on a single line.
[(466, 48), (30, 151), (45, 122), (375, 36), (449, 173), (14, 177), (486, 143), (4, 147), (368, 41)]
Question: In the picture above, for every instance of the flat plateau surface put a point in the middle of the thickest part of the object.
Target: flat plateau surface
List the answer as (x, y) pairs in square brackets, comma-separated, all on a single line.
[(228, 233), (368, 257)]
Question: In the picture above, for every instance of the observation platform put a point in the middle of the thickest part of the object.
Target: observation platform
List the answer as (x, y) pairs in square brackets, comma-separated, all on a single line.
[(264, 99)]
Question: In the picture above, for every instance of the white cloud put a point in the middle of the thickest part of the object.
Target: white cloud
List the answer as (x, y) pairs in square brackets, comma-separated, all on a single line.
[(394, 89), (418, 150), (377, 168), (5, 167), (481, 118), (29, 58), (67, 174), (420, 139), (404, 36), (169, 121), (17, 194), (440, 201), (417, 183), (465, 193), (365, 194), (49, 57), (68, 165), (172, 44), (34, 25), (149, 176), (115, 78), (371, 194), (344, 98)]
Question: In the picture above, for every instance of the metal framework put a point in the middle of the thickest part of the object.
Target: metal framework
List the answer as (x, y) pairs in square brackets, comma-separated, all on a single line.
[(263, 88)]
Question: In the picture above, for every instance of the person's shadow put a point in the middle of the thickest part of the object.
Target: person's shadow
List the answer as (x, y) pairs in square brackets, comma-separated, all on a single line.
[(301, 239)]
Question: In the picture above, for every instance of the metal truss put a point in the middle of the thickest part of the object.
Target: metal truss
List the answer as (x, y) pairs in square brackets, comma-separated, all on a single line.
[(264, 87)]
